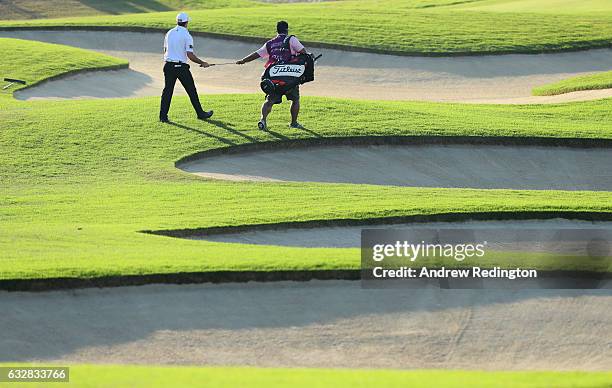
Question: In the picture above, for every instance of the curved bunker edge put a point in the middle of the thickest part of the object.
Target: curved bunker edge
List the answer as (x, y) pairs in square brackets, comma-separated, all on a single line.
[(428, 161), (505, 79)]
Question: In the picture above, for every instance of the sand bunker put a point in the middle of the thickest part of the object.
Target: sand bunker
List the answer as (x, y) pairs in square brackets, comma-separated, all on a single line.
[(350, 236), (471, 166), (311, 324), (486, 79)]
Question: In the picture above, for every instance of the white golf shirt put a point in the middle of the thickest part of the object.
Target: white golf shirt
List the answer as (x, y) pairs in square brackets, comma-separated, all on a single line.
[(177, 43)]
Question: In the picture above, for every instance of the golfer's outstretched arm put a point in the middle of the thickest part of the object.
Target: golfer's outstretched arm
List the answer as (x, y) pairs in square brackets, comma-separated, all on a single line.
[(197, 60), (247, 59)]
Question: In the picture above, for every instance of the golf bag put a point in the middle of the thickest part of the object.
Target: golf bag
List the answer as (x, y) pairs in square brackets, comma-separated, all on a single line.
[(281, 77)]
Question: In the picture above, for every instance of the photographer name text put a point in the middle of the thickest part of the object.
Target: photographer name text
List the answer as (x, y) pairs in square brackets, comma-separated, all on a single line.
[(459, 273)]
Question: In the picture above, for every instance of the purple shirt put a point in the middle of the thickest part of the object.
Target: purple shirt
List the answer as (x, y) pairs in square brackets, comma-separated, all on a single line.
[(294, 44)]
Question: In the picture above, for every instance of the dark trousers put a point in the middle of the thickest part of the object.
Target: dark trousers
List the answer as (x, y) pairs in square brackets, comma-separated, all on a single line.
[(180, 71)]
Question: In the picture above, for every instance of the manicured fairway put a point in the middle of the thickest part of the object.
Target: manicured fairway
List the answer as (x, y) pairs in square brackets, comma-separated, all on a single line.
[(420, 27), (137, 376), (82, 178), (587, 82)]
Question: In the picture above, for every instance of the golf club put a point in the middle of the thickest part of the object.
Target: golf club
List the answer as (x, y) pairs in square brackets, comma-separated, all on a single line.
[(233, 63), (12, 81)]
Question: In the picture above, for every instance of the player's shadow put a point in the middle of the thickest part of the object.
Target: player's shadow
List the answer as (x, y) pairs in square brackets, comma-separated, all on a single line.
[(228, 127), (201, 132)]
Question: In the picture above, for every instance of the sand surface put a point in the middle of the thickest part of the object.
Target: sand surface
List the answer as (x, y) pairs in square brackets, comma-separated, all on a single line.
[(314, 324), (350, 236), (473, 166), (486, 79)]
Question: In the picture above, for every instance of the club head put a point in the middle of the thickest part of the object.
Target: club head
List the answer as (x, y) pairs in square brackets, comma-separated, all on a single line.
[(15, 81)]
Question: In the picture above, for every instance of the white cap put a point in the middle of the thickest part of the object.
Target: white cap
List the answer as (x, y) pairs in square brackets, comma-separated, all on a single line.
[(182, 17)]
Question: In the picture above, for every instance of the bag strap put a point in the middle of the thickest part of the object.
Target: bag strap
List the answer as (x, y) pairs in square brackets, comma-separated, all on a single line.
[(287, 42)]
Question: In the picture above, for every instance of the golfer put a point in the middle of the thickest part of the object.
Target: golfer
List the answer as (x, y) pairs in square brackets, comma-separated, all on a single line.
[(276, 50), (178, 46)]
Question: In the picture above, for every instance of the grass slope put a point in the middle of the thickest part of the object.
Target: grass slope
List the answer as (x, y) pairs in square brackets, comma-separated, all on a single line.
[(36, 9), (139, 376), (46, 60), (80, 178), (421, 27), (585, 82), (77, 187)]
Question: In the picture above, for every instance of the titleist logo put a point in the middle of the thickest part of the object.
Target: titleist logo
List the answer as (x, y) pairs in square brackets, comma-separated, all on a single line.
[(287, 69)]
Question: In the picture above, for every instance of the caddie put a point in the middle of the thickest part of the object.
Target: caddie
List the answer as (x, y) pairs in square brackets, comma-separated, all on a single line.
[(279, 49)]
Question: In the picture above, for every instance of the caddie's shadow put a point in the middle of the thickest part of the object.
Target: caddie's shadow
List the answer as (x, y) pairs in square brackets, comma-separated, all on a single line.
[(277, 135), (229, 127), (283, 137), (310, 131)]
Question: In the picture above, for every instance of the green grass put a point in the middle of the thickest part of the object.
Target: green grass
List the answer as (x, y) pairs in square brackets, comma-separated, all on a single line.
[(539, 6), (584, 82), (216, 377), (37, 9), (46, 60), (80, 179), (416, 27), (78, 187)]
